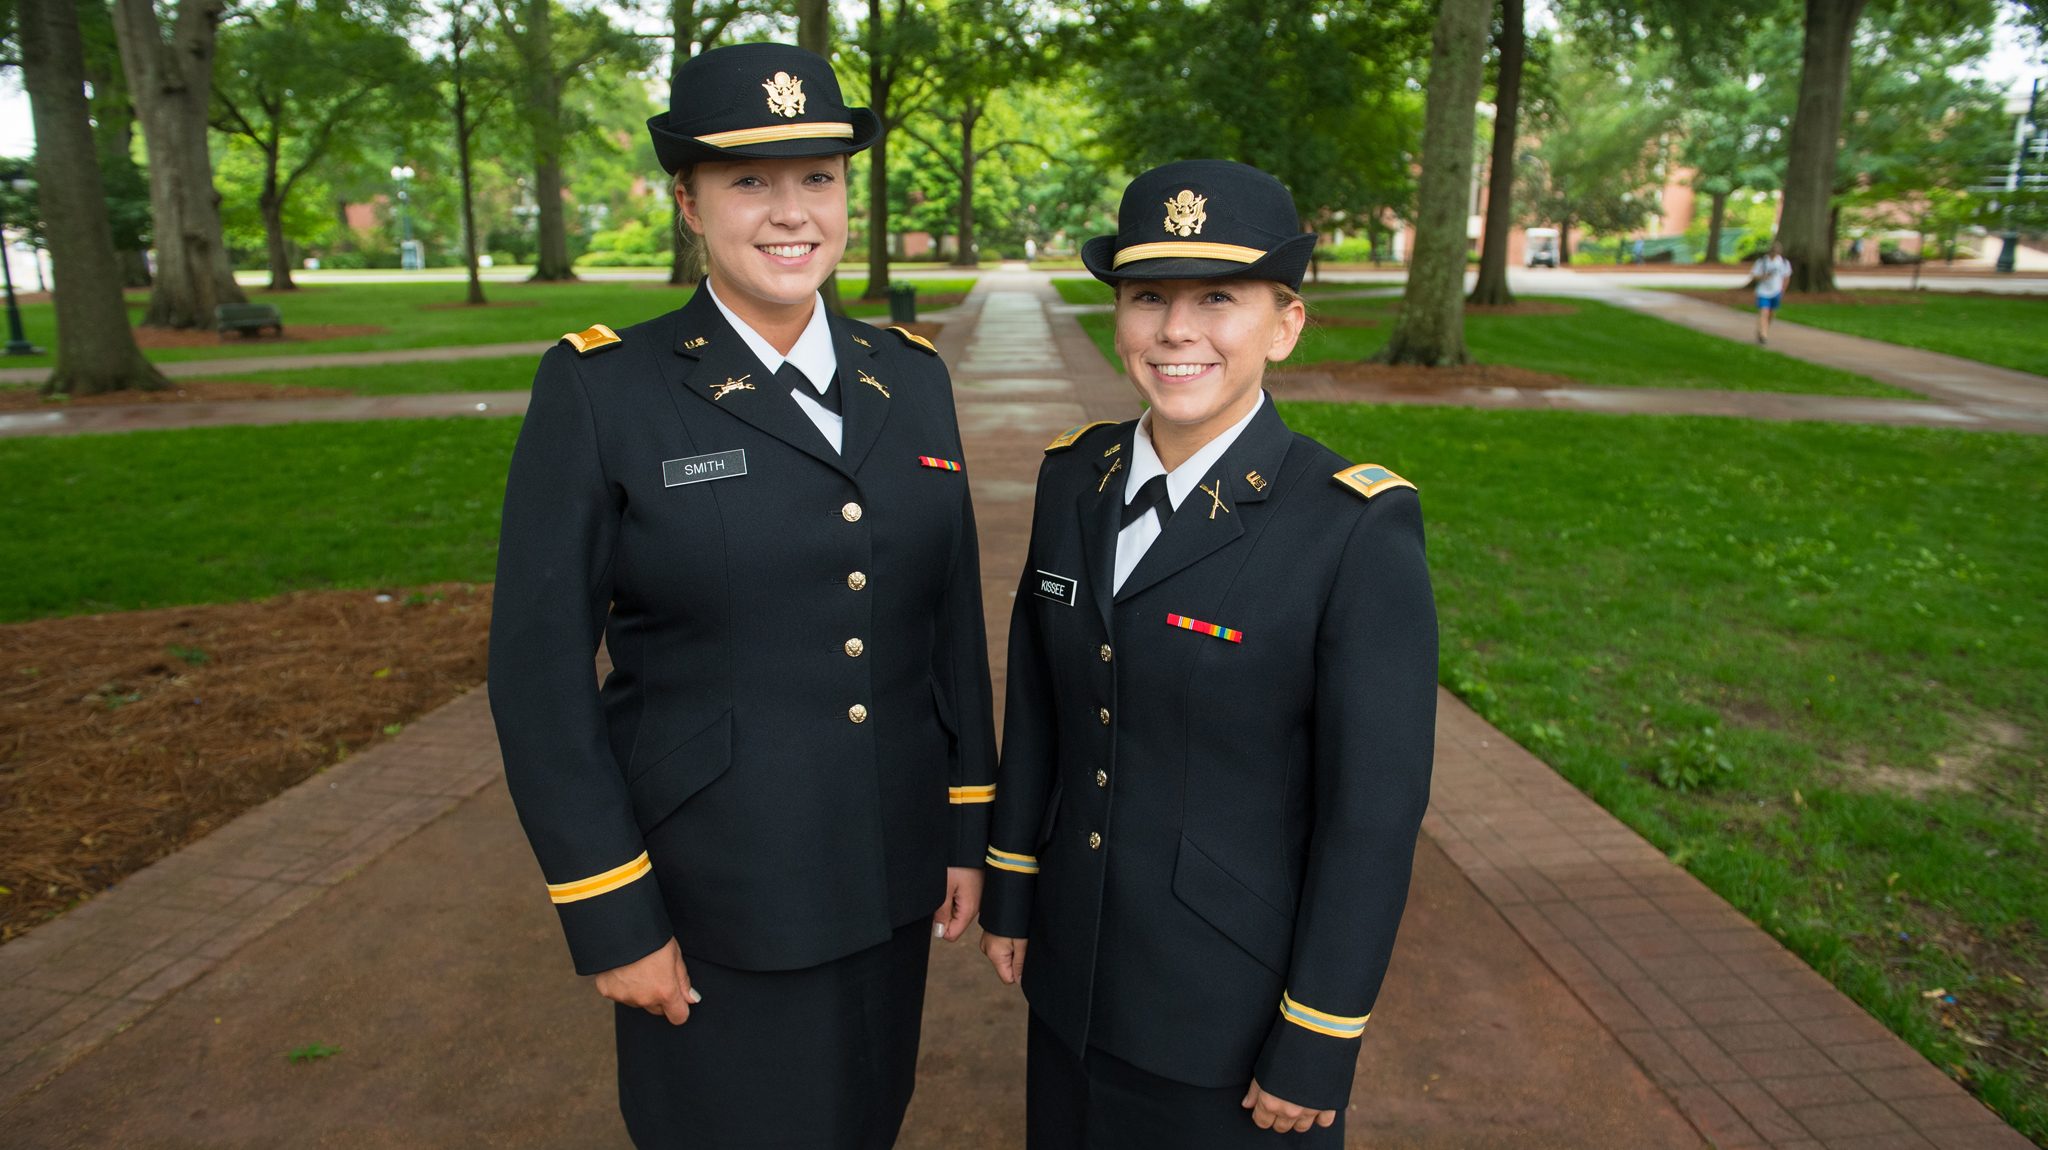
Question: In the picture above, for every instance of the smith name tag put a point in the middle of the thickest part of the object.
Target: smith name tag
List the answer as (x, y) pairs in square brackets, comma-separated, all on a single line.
[(700, 468), (1057, 588)]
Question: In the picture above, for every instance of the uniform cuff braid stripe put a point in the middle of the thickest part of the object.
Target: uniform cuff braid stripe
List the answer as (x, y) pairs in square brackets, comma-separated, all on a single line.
[(598, 884), (1004, 860), (1192, 249), (1334, 1025), (980, 794), (807, 131)]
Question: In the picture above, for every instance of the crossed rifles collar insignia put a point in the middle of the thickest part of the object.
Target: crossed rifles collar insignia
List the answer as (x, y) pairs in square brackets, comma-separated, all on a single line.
[(721, 390)]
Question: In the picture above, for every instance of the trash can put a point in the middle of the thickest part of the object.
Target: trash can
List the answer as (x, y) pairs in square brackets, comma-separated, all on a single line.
[(902, 303)]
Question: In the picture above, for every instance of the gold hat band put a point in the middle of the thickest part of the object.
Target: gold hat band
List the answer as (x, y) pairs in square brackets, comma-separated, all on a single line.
[(813, 130), (1193, 250)]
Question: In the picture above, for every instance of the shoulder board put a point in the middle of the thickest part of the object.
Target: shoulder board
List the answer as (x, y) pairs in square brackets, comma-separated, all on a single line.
[(591, 339), (915, 340), (1072, 435), (1370, 479)]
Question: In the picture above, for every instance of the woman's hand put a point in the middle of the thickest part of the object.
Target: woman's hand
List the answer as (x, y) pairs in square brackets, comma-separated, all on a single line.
[(1005, 954), (963, 902), (1282, 1116), (657, 984)]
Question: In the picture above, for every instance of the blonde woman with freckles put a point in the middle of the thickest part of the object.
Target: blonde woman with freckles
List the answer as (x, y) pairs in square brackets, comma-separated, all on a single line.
[(1220, 714), (755, 827)]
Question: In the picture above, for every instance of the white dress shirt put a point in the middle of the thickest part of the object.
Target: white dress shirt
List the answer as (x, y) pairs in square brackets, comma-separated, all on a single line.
[(1133, 541), (813, 356)]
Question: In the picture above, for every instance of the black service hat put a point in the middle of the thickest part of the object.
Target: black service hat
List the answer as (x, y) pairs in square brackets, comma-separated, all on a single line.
[(757, 101), (1203, 219)]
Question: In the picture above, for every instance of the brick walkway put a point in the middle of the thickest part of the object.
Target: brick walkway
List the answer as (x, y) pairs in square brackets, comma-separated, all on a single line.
[(1551, 954)]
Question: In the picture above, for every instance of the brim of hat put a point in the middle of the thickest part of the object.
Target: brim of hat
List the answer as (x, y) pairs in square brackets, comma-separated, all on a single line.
[(676, 150), (1284, 264)]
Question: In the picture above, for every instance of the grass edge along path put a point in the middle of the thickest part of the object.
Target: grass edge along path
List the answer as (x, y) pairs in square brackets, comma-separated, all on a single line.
[(1829, 648), (2008, 330)]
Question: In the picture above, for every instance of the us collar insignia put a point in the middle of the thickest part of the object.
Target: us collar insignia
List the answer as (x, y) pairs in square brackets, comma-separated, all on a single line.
[(1113, 469), (1257, 481), (1113, 449), (785, 95), (863, 343), (1215, 495), (1186, 213), (694, 344), (871, 381), (721, 390)]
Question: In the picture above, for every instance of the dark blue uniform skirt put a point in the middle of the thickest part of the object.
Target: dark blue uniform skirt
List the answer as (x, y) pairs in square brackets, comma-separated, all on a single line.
[(1101, 1102), (817, 1059)]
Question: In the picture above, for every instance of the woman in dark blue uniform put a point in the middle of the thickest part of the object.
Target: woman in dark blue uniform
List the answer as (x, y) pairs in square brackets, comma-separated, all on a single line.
[(1220, 714), (754, 827)]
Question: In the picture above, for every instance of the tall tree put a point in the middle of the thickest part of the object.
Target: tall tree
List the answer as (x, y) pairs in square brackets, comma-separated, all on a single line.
[(695, 26), (1431, 330), (96, 350), (814, 34), (1596, 160), (470, 92), (113, 123), (981, 47), (292, 78), (1492, 287), (895, 40), (170, 74), (1808, 228)]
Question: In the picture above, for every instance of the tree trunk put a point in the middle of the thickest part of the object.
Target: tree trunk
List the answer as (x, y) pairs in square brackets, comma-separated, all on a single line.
[(683, 269), (1815, 142), (878, 162), (814, 34), (964, 255), (1492, 287), (271, 205), (134, 268), (1432, 325), (113, 118), (463, 131), (172, 85), (1716, 220), (96, 350), (552, 261), (1564, 242)]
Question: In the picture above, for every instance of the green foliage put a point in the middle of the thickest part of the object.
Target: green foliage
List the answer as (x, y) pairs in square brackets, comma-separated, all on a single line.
[(1597, 158), (1691, 761), (312, 1052)]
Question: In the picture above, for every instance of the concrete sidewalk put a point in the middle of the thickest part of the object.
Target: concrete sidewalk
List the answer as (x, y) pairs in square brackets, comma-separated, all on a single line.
[(1559, 983)]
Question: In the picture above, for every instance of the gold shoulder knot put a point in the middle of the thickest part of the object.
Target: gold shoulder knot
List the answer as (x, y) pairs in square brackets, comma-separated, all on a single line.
[(1073, 435), (915, 340), (592, 338), (1370, 479)]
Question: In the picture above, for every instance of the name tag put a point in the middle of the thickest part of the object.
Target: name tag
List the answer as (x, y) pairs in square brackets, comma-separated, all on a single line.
[(1057, 588), (699, 468)]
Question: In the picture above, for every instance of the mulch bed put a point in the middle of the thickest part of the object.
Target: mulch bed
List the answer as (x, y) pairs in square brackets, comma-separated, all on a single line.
[(159, 338), (181, 391), (1410, 378), (126, 736)]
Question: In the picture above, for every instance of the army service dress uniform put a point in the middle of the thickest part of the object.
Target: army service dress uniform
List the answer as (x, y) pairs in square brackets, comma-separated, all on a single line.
[(795, 739), (1212, 780)]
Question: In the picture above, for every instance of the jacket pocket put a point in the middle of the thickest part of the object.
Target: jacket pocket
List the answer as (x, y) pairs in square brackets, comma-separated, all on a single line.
[(1232, 908), (666, 783), (944, 712), (1051, 817)]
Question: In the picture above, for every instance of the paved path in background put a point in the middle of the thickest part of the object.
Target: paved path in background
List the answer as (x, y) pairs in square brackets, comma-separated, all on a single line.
[(1558, 983)]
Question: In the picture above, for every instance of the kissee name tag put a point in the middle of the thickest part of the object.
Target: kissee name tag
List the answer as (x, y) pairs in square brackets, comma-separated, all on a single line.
[(701, 468), (1057, 588)]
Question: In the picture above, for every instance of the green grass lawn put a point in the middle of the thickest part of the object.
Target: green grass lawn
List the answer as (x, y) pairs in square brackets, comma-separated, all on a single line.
[(429, 315), (1597, 344), (2006, 330), (1083, 289), (111, 522), (1847, 614), (496, 373)]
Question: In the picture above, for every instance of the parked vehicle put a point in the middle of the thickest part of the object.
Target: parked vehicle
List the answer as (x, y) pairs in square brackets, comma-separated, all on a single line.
[(1539, 247)]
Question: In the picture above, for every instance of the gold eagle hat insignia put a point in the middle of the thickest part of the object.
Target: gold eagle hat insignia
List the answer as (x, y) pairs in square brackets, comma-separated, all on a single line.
[(785, 94), (1186, 213)]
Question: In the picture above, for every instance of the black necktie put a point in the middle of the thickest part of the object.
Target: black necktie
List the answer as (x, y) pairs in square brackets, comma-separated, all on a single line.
[(789, 377), (1151, 497)]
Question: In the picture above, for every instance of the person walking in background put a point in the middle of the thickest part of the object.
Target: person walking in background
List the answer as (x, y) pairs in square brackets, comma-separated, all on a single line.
[(1220, 716), (753, 829), (1769, 275)]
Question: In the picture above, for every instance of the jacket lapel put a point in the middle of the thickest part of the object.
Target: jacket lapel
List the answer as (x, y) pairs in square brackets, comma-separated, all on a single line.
[(1212, 516), (1097, 510), (864, 398), (714, 364)]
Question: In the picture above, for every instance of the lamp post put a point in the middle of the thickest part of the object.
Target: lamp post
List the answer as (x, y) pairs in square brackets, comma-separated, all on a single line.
[(17, 340), (407, 257)]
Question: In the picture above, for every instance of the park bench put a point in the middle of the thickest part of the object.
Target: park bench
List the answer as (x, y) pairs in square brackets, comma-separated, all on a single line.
[(247, 318)]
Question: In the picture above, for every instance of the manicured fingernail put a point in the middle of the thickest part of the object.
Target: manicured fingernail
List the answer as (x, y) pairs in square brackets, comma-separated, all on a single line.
[(938, 930), (694, 996)]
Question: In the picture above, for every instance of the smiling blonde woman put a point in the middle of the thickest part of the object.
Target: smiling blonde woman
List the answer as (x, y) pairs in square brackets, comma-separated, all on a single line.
[(1220, 715)]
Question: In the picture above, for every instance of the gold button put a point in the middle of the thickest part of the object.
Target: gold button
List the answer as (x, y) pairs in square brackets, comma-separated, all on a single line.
[(1103, 714), (857, 580), (857, 713), (854, 647), (850, 513), (1104, 652), (1094, 840), (1102, 778)]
